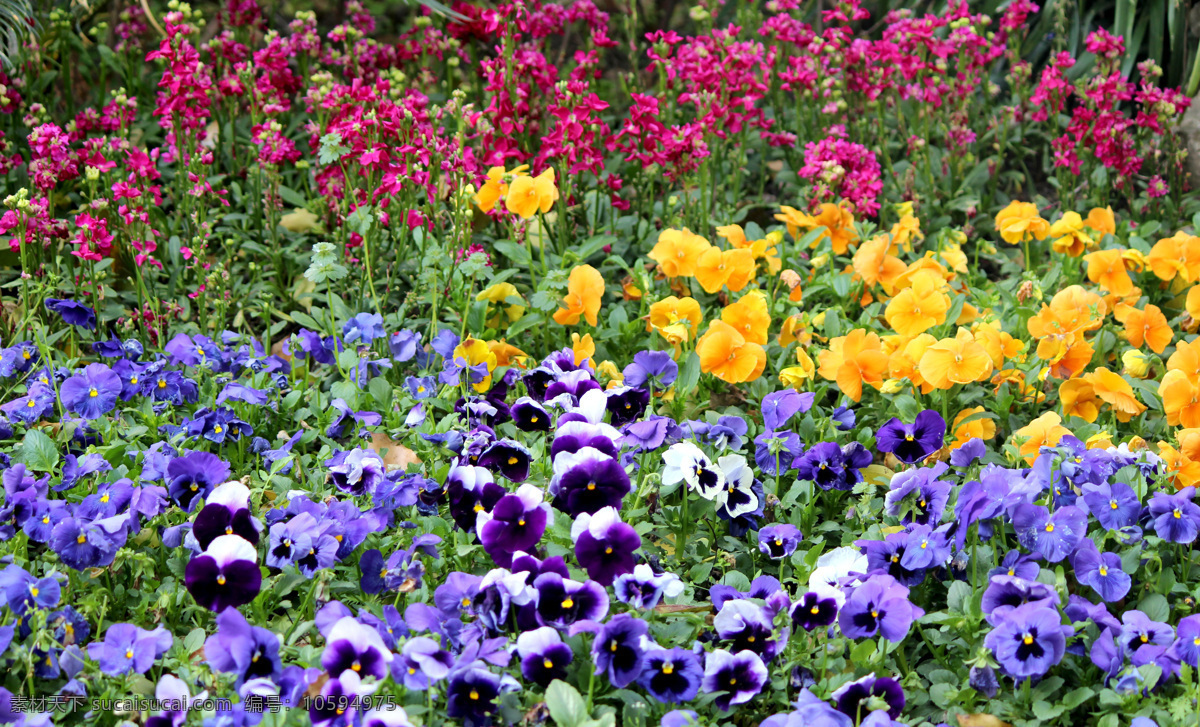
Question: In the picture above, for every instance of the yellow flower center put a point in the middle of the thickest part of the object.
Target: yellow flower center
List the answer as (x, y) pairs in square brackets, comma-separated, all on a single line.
[(533, 419), (1028, 639), (217, 428), (356, 666), (81, 539), (474, 694), (512, 460), (591, 486), (668, 667), (93, 393), (162, 383), (547, 663), (466, 602), (521, 522), (814, 610), (33, 591), (1049, 527), (129, 654), (1103, 571), (1176, 512), (220, 580), (874, 614), (613, 646), (608, 550), (568, 603), (1112, 504)]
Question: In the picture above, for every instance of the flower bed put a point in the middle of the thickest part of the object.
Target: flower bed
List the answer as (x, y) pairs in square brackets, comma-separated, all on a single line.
[(513, 364)]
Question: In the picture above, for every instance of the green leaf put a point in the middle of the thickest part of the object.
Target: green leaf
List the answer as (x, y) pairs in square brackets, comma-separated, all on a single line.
[(689, 374), (381, 391), (1155, 606), (38, 451), (566, 706), (907, 407), (306, 320), (861, 653), (292, 197), (958, 597)]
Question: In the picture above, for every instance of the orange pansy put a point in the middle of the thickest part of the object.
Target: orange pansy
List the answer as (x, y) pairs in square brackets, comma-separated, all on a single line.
[(837, 220), (997, 343), (875, 266), (717, 268), (1180, 398), (903, 362), (853, 360), (1078, 398), (750, 316), (507, 354), (919, 307), (1047, 430), (1183, 470), (1176, 255), (678, 252), (1020, 221), (585, 288), (1101, 220), (1106, 268), (1147, 326), (583, 348), (676, 319), (726, 354), (958, 360), (1116, 392), (982, 428)]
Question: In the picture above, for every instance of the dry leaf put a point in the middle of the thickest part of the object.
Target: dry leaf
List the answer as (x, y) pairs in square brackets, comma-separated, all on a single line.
[(299, 220), (395, 455), (981, 720)]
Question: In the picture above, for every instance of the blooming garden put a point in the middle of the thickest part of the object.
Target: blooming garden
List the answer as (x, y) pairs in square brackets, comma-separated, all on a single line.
[(787, 364)]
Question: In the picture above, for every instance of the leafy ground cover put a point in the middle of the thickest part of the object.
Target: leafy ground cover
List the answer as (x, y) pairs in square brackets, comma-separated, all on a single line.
[(506, 365)]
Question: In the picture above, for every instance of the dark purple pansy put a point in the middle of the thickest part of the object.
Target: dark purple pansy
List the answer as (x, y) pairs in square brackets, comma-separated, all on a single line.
[(813, 611), (671, 676), (778, 541), (225, 575), (515, 524), (544, 656), (604, 545), (619, 648), (586, 481), (735, 678), (914, 442), (226, 511), (508, 458), (353, 646), (855, 698), (626, 404), (561, 601)]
